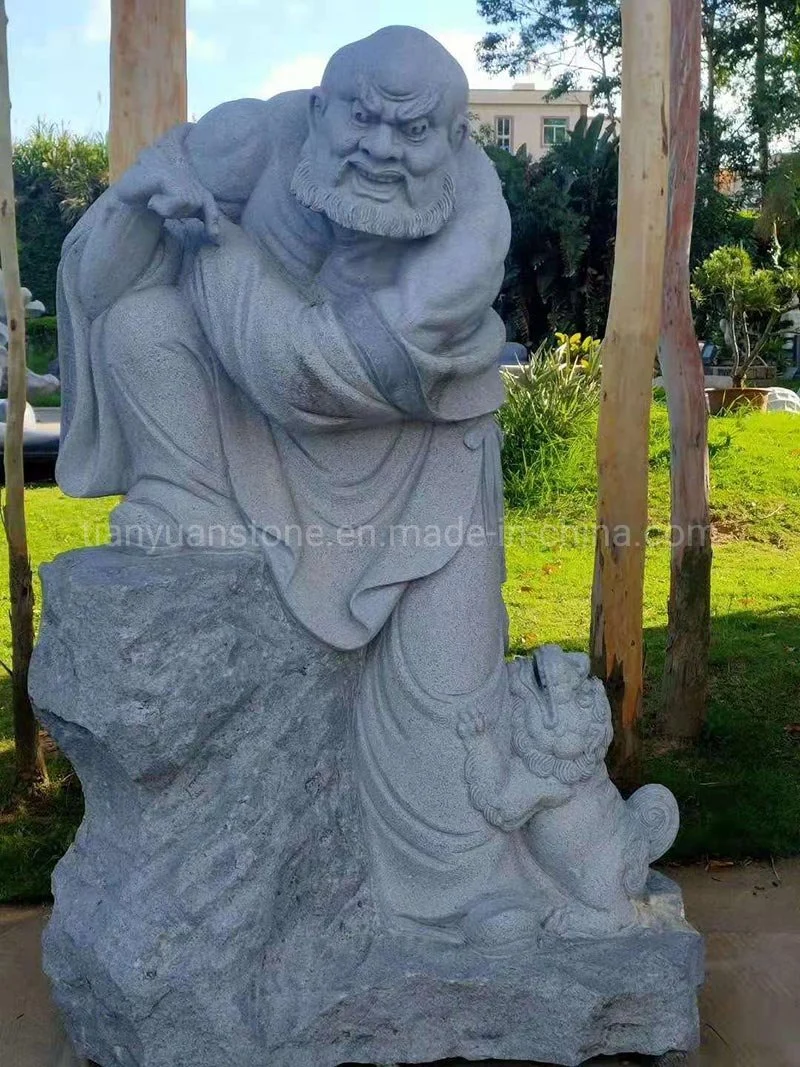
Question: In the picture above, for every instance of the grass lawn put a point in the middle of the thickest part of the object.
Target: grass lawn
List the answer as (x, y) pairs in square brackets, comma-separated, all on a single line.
[(739, 792)]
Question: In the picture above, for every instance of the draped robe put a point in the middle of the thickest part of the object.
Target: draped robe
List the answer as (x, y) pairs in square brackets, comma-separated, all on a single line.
[(338, 412)]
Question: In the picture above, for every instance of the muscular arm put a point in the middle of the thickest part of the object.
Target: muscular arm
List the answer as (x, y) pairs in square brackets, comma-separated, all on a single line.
[(189, 172)]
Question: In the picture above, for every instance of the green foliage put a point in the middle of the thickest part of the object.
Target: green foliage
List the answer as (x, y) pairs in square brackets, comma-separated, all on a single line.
[(548, 419), (751, 301), (57, 175), (780, 211), (563, 226), (42, 346), (545, 34), (751, 50), (719, 220)]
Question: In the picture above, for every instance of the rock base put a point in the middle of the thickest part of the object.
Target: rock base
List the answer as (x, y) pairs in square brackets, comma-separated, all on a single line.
[(215, 908)]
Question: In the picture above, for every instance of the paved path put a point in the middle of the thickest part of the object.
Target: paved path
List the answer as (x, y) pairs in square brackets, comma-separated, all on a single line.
[(750, 1005)]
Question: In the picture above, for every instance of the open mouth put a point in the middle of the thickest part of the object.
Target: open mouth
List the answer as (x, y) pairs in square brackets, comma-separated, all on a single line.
[(377, 184)]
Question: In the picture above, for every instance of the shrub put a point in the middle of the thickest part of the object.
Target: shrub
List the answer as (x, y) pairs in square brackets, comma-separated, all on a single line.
[(750, 302), (57, 175), (42, 348), (549, 419)]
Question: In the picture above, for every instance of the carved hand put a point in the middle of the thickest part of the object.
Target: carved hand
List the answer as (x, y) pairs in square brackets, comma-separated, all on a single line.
[(165, 184)]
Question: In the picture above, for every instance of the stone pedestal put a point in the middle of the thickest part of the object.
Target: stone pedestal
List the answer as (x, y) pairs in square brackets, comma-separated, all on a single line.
[(216, 907)]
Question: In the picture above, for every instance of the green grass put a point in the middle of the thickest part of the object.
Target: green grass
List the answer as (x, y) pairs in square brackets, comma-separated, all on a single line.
[(34, 835), (739, 791)]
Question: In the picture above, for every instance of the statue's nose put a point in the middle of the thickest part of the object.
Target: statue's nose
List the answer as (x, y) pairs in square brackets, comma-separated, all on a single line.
[(380, 142)]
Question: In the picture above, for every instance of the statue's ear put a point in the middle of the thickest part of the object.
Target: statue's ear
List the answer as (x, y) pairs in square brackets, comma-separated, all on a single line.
[(317, 103), (458, 132)]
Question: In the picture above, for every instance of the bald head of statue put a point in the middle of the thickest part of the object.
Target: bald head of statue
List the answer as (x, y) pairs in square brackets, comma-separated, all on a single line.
[(385, 127)]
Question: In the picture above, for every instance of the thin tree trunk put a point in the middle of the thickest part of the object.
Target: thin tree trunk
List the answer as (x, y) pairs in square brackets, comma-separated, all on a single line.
[(762, 104), (148, 76), (629, 351), (713, 133), (685, 681), (31, 771)]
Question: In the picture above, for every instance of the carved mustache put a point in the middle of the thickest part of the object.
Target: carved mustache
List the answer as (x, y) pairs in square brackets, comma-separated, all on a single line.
[(387, 175)]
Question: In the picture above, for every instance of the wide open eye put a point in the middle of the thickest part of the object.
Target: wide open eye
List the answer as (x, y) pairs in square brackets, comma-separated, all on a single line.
[(359, 114), (416, 129)]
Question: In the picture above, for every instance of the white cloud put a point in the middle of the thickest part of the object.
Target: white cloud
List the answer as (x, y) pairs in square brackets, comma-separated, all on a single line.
[(97, 28), (305, 71), (298, 11), (302, 72), (204, 49), (204, 6), (461, 44)]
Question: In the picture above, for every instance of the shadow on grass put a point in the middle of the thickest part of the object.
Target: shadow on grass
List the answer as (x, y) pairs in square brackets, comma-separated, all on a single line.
[(34, 834), (739, 790)]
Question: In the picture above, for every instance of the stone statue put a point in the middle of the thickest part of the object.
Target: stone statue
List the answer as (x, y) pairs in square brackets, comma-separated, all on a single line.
[(39, 386), (278, 343)]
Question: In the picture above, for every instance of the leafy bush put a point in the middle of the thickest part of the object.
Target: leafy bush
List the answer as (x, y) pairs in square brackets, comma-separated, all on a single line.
[(750, 302), (719, 220), (780, 210), (42, 337), (549, 419), (57, 175), (563, 225)]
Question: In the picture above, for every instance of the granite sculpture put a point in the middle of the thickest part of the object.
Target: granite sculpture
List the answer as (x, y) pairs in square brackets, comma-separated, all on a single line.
[(327, 821), (39, 386)]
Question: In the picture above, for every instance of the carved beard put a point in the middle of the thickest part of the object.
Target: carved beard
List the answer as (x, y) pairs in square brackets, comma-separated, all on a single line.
[(353, 213)]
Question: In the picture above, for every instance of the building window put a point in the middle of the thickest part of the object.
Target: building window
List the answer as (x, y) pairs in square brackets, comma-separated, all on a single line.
[(554, 131), (502, 132)]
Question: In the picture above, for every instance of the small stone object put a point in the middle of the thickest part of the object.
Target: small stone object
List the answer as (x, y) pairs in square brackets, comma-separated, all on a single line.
[(40, 386), (327, 821)]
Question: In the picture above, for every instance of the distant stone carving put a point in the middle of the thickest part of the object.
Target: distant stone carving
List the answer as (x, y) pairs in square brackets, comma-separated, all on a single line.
[(40, 386), (278, 342)]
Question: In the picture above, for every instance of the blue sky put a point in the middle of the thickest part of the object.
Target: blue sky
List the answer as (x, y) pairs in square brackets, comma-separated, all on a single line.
[(59, 49)]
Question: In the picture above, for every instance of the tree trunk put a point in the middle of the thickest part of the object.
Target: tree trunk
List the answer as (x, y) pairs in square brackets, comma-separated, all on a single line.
[(711, 58), (31, 771), (148, 75), (762, 105), (685, 681), (628, 354)]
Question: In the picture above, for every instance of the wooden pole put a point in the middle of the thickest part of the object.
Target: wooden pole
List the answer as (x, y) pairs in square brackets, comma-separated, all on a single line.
[(30, 764), (685, 681), (629, 351), (148, 76)]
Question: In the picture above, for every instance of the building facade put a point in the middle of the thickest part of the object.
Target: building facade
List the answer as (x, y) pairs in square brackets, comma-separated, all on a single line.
[(524, 116)]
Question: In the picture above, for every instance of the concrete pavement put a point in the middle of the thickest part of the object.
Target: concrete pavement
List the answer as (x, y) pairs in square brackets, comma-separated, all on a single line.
[(750, 1005)]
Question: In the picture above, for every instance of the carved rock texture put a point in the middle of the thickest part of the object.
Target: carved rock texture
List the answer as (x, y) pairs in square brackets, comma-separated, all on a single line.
[(215, 908)]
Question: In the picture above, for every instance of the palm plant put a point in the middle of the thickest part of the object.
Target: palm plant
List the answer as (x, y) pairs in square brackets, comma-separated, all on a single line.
[(563, 215)]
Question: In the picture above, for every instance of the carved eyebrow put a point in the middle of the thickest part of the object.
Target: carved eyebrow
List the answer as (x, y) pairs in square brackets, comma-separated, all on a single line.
[(411, 107)]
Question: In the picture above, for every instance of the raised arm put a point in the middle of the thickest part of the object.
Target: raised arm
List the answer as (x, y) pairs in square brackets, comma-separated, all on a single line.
[(194, 171)]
